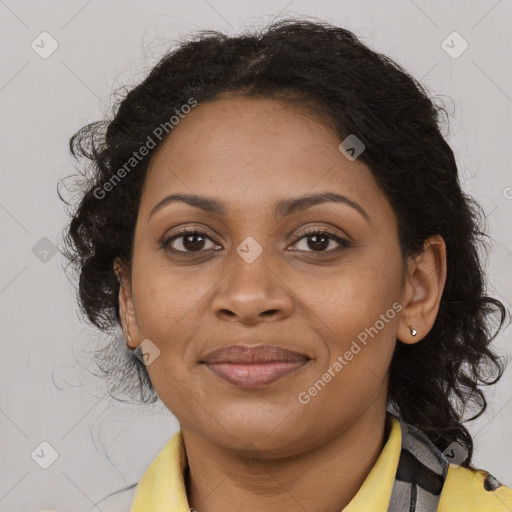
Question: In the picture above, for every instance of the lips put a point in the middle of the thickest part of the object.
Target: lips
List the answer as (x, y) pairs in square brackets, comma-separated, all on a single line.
[(253, 366)]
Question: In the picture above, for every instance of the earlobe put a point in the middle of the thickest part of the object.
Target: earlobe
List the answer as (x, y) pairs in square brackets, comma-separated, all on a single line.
[(411, 336), (423, 291)]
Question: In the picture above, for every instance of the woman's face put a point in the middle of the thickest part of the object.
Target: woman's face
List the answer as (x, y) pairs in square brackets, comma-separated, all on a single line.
[(257, 278)]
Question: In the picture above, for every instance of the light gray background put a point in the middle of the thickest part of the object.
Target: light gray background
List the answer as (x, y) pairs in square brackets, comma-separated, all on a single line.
[(103, 446)]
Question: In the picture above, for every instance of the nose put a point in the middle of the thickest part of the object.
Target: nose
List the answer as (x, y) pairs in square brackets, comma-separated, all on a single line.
[(251, 293)]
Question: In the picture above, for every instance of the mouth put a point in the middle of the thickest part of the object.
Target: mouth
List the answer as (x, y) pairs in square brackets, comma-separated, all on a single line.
[(252, 367)]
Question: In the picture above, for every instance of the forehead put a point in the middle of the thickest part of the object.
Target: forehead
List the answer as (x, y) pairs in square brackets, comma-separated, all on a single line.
[(246, 129), (252, 153)]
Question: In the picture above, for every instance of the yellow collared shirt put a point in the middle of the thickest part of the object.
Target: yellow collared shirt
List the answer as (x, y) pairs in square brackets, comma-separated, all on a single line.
[(162, 487)]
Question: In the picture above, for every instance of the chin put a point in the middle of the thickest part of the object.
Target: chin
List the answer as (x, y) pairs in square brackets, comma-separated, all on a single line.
[(273, 433)]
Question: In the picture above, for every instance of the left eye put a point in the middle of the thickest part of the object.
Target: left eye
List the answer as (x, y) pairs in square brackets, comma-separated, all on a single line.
[(319, 241)]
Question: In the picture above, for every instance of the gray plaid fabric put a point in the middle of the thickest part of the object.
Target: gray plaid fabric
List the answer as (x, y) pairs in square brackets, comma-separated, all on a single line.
[(420, 474)]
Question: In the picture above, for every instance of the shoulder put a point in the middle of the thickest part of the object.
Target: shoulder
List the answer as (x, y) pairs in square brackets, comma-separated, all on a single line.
[(474, 490)]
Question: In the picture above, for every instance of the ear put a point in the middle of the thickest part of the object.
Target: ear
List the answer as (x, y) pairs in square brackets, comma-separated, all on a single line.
[(126, 305), (423, 288)]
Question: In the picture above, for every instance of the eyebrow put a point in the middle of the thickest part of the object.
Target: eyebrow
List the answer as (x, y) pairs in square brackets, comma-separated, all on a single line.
[(283, 208)]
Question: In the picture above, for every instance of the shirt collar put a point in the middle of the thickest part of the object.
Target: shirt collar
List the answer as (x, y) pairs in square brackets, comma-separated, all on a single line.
[(162, 487), (375, 492)]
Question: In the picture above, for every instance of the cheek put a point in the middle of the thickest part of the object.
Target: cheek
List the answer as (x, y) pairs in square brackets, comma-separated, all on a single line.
[(167, 302), (357, 314), (168, 312), (353, 297), (352, 372)]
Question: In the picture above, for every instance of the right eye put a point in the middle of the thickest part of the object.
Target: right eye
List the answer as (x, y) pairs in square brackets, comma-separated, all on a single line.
[(188, 240)]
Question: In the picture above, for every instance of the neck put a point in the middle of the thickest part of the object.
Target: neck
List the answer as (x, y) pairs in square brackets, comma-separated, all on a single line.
[(322, 480)]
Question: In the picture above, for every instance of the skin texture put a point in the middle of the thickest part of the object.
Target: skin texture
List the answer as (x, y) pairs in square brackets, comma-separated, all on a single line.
[(262, 447)]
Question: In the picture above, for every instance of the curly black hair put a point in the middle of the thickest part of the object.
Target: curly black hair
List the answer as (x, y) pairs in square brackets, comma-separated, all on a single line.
[(359, 91)]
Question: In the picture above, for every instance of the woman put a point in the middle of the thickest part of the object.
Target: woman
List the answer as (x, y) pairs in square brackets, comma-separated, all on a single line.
[(276, 222)]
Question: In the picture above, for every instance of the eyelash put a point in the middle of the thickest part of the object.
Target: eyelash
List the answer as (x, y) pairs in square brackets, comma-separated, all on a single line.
[(343, 243)]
